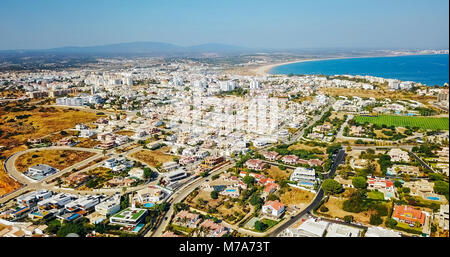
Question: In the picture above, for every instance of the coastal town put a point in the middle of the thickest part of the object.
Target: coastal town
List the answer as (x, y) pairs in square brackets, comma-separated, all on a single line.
[(164, 147)]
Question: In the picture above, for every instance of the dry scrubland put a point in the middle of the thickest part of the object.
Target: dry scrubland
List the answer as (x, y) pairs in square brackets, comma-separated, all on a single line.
[(59, 159), (14, 134), (278, 174), (334, 206), (296, 196), (153, 158), (377, 93)]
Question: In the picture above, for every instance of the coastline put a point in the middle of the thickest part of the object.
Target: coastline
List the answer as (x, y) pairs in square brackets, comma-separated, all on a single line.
[(265, 69)]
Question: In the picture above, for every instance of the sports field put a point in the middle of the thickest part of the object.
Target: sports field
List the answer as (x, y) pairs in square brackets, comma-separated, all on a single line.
[(403, 121)]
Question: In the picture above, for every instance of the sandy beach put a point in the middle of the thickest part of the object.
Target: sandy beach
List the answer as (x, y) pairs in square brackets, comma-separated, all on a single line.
[(264, 70)]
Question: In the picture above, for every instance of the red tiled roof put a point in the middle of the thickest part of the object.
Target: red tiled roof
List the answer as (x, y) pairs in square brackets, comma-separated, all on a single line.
[(275, 204), (408, 213)]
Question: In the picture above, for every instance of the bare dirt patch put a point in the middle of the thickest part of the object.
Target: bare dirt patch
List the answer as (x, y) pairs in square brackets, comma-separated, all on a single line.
[(153, 158), (296, 196), (59, 159)]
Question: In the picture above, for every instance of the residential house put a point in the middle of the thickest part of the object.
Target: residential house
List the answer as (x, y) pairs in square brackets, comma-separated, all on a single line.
[(271, 156), (442, 216), (273, 208), (290, 159), (408, 214), (254, 164), (386, 186), (212, 229), (398, 155), (186, 219)]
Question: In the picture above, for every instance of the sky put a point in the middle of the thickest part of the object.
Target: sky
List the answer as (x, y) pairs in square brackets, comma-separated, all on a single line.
[(281, 24)]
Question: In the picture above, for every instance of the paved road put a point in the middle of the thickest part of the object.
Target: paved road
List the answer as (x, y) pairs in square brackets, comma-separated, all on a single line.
[(179, 196), (338, 159), (424, 164), (356, 147), (299, 134), (30, 185)]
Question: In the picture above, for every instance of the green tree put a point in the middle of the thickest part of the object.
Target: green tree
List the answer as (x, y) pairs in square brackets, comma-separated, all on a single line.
[(375, 220), (214, 194), (249, 180), (92, 183), (147, 173), (406, 190), (331, 186), (255, 200), (390, 223), (260, 226), (323, 208), (272, 197), (441, 187), (359, 182), (75, 227), (348, 218)]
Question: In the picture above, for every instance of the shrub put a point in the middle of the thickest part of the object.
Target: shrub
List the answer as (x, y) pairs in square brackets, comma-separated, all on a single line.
[(260, 226), (348, 218), (375, 220), (390, 223), (324, 209), (214, 194)]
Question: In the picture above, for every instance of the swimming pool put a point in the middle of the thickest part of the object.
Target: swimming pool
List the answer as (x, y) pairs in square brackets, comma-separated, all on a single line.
[(306, 183), (148, 205), (231, 190), (434, 198), (138, 227)]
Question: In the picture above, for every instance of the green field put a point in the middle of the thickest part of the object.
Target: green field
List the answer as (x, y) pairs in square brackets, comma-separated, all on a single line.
[(404, 121), (377, 195)]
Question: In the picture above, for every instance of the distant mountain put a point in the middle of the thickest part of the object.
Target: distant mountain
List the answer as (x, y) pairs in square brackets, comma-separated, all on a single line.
[(138, 48), (214, 47), (121, 48)]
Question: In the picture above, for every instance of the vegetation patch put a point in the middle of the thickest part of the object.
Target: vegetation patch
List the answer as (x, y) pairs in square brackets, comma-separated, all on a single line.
[(405, 121)]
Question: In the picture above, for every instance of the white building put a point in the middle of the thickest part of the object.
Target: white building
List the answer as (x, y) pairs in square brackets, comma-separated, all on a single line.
[(137, 173), (309, 228), (150, 194), (273, 208), (442, 216), (398, 155), (381, 232), (338, 230), (109, 206), (303, 174), (41, 170)]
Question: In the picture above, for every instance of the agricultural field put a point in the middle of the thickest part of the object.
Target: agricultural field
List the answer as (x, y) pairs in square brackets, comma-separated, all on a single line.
[(59, 159), (403, 121)]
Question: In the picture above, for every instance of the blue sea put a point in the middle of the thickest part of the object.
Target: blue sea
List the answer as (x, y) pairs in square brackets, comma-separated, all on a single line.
[(426, 69)]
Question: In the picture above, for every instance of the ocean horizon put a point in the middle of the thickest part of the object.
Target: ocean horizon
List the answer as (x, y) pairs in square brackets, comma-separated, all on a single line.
[(426, 69)]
